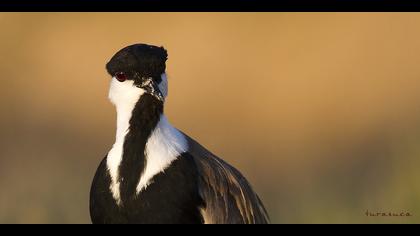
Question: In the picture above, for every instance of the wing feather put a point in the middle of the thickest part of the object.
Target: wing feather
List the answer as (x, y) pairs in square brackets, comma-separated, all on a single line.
[(228, 197)]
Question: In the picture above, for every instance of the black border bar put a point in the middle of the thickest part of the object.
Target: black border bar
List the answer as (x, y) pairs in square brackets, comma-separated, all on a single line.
[(211, 5)]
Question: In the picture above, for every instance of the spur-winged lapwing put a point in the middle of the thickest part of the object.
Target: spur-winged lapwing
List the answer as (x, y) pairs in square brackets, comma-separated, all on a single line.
[(154, 173)]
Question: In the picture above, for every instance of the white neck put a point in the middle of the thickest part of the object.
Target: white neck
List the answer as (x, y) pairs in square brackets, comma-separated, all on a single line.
[(164, 145), (124, 95)]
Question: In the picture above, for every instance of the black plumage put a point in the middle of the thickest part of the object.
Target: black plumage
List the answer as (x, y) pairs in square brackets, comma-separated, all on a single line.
[(197, 187), (139, 61)]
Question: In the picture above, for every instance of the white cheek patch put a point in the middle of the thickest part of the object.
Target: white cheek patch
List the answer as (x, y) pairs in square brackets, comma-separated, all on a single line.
[(124, 93)]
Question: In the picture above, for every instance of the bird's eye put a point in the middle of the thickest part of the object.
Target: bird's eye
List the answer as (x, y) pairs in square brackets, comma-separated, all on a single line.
[(121, 76)]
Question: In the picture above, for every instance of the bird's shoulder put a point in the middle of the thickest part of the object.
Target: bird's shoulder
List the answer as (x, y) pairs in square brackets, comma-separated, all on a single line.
[(227, 195)]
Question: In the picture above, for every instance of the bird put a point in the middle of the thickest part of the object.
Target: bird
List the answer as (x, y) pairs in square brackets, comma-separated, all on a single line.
[(155, 173)]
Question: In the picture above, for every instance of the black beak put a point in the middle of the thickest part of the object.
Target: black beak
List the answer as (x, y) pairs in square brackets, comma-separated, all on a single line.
[(150, 86)]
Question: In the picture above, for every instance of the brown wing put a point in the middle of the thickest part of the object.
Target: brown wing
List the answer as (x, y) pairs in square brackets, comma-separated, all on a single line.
[(228, 197)]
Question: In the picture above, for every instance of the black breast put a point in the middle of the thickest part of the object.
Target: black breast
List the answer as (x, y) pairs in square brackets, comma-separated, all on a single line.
[(171, 198)]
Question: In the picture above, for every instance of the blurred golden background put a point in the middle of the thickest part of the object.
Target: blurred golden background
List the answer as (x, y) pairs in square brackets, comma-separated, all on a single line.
[(320, 111)]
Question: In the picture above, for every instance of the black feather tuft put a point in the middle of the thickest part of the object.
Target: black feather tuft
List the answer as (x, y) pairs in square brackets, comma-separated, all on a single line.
[(139, 61)]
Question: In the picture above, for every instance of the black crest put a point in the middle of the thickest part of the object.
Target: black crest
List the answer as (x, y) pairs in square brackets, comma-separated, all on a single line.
[(139, 61)]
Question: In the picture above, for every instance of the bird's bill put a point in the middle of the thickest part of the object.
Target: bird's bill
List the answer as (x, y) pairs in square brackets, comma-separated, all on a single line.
[(150, 87)]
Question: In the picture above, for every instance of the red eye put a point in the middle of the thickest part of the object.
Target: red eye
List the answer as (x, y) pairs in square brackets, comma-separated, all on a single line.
[(121, 76)]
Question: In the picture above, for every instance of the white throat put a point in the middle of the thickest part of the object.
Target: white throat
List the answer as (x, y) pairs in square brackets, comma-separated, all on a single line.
[(164, 145)]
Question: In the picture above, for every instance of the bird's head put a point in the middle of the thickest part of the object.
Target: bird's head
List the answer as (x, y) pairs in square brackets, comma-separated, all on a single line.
[(138, 69)]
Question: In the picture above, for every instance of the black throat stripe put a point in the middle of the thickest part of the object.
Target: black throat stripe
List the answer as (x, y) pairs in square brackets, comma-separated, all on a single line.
[(145, 117)]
